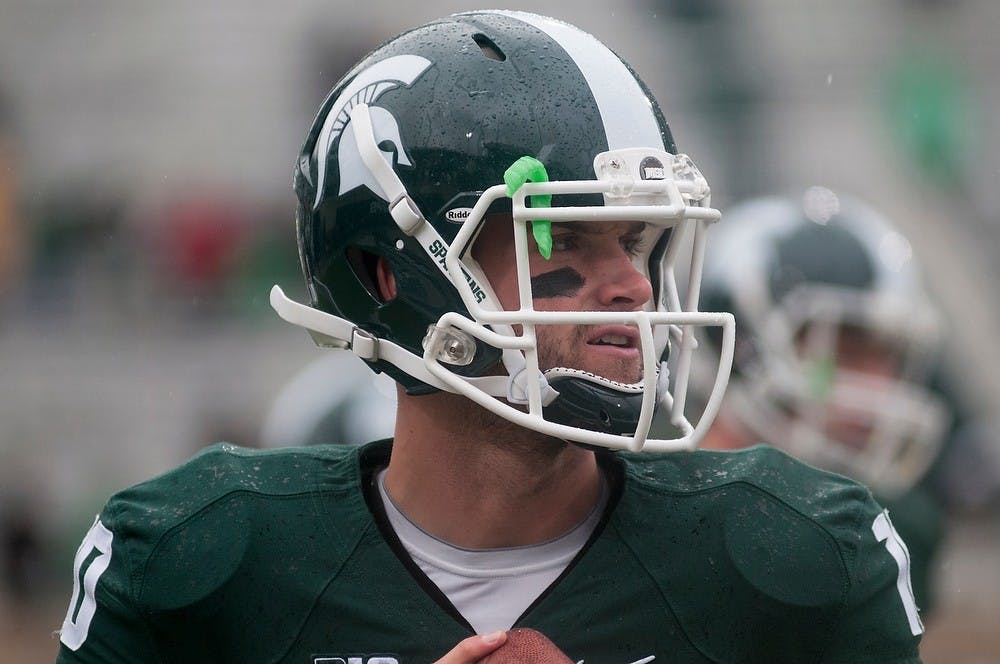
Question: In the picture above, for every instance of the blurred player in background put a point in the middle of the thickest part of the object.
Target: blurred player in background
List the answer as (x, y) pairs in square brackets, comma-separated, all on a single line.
[(333, 400), (837, 345)]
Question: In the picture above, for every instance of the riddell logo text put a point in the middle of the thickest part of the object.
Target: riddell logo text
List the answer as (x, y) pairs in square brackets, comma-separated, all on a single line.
[(458, 215)]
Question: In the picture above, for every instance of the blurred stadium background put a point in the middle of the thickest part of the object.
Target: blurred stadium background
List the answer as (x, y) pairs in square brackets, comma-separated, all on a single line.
[(145, 210)]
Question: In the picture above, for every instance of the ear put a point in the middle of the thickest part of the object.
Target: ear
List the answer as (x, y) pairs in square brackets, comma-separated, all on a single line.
[(385, 279)]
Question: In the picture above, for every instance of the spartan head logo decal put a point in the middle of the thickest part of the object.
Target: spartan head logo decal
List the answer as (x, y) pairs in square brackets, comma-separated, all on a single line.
[(366, 88)]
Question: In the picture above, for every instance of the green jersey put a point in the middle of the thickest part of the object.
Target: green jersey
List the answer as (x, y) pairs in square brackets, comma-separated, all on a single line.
[(285, 556)]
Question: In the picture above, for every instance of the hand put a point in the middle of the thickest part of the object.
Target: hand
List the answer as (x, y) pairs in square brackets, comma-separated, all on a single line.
[(474, 648)]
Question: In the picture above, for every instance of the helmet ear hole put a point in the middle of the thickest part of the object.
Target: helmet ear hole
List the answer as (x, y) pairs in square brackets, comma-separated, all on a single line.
[(386, 279), (365, 266)]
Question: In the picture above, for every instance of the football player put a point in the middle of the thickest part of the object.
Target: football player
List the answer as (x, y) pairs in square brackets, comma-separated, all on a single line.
[(492, 211), (333, 399), (837, 346)]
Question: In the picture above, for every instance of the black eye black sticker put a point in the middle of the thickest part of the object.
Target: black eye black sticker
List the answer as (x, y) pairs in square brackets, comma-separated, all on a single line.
[(564, 282)]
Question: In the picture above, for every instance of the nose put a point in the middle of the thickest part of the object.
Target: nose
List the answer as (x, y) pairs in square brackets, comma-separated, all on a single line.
[(621, 286)]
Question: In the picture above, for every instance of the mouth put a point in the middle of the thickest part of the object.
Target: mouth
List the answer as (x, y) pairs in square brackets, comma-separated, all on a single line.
[(614, 338), (851, 430)]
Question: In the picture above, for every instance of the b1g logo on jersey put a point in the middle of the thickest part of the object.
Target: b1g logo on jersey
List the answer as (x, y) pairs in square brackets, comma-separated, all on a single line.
[(355, 659)]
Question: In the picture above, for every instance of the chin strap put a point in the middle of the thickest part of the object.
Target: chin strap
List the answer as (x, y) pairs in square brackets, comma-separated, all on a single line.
[(516, 382), (331, 331)]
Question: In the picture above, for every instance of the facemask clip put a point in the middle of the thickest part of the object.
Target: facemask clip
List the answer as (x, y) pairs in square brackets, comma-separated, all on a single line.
[(449, 346)]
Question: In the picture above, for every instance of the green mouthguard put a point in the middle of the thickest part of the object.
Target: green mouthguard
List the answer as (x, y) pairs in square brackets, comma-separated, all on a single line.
[(529, 169), (821, 374)]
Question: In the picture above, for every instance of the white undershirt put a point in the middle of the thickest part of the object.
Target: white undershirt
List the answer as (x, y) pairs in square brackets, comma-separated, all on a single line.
[(491, 588)]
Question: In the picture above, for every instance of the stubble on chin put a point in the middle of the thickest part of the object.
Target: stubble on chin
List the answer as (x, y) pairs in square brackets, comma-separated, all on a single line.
[(558, 351)]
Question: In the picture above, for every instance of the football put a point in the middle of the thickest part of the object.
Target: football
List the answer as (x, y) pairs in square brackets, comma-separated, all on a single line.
[(526, 646)]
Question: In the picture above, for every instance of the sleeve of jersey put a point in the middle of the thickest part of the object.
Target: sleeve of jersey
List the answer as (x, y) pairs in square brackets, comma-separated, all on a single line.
[(880, 621), (103, 622)]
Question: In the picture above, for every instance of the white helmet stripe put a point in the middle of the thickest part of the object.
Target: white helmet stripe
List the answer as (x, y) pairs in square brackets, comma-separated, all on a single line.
[(614, 87)]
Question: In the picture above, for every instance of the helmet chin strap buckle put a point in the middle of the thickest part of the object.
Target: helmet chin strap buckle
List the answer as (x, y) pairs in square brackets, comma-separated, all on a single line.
[(364, 345), (406, 215), (517, 389)]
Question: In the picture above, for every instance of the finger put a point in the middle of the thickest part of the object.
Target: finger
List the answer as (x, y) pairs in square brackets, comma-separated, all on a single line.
[(474, 648)]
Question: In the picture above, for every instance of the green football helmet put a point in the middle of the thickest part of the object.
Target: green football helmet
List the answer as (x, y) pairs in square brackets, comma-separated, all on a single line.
[(836, 336), (423, 139)]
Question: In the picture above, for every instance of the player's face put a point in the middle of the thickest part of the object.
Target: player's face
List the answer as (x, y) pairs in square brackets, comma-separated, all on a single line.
[(860, 358), (863, 352), (591, 269)]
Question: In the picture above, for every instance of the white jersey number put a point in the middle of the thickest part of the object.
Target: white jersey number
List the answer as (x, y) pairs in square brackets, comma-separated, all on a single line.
[(885, 532), (92, 558)]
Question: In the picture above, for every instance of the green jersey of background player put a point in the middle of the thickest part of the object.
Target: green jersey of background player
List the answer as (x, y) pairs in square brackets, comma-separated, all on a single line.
[(529, 310)]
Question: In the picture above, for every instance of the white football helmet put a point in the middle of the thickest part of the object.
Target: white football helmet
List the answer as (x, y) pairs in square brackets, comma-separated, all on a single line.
[(836, 336), (420, 142)]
